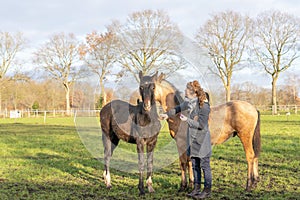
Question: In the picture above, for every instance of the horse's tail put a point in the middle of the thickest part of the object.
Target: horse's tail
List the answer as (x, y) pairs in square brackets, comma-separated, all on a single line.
[(256, 137)]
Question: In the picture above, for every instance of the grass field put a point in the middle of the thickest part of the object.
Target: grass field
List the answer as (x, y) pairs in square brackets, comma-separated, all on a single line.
[(49, 161)]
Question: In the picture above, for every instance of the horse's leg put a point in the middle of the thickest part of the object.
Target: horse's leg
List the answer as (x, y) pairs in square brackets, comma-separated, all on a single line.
[(150, 151), (184, 160), (109, 146), (191, 174), (257, 148), (246, 140), (140, 150), (255, 171), (183, 166), (107, 155)]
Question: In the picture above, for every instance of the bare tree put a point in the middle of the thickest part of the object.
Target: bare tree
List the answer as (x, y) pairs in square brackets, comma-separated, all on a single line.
[(225, 37), (292, 84), (148, 41), (58, 57), (99, 55), (50, 95), (276, 44), (246, 91), (10, 45)]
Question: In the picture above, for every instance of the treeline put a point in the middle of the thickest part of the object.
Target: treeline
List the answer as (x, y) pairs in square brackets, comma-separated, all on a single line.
[(150, 41), (49, 95)]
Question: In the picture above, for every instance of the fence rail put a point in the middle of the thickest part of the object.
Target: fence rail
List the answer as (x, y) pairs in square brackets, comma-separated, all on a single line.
[(34, 113), (281, 109), (264, 109)]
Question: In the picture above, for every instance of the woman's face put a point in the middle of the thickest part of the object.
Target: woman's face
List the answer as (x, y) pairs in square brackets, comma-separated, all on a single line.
[(189, 93)]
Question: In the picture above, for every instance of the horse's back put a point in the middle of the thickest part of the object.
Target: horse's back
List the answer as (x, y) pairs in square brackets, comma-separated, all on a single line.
[(234, 111), (116, 113), (115, 107), (241, 110), (231, 118)]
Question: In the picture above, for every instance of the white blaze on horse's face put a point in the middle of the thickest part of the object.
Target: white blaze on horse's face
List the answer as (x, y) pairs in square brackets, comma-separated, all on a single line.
[(147, 89), (147, 93)]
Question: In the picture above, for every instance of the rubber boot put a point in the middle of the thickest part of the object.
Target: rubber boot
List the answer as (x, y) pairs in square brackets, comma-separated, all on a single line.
[(204, 194), (195, 191)]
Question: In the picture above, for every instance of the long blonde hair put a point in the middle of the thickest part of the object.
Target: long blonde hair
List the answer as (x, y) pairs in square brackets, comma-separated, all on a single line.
[(196, 88)]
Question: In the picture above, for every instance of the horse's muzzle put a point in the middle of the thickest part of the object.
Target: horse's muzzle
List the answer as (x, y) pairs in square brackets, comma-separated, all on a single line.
[(147, 106)]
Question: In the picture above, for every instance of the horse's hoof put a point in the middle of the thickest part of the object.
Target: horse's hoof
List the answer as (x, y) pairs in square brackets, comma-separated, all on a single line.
[(254, 184), (150, 189), (142, 193), (181, 189), (109, 187)]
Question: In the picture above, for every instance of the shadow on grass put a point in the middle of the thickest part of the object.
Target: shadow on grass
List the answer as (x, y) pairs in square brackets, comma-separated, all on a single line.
[(59, 147), (58, 190), (53, 147)]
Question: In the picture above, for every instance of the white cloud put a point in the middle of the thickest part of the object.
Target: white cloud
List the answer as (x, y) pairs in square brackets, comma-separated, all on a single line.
[(81, 17), (39, 19)]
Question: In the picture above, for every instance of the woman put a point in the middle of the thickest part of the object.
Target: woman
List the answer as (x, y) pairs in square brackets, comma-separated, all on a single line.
[(199, 144)]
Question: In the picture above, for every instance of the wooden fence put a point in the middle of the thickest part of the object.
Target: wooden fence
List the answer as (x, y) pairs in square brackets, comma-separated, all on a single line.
[(264, 109), (281, 109)]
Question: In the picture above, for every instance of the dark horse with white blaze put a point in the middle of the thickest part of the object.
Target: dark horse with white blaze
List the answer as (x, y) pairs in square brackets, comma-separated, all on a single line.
[(235, 118), (136, 124)]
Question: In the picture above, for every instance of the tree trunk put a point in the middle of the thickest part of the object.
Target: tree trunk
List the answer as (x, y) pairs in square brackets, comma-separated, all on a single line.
[(227, 94), (68, 102), (274, 94), (68, 107), (102, 92), (227, 88)]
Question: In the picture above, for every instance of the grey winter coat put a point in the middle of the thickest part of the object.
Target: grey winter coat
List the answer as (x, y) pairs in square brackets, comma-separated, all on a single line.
[(198, 135)]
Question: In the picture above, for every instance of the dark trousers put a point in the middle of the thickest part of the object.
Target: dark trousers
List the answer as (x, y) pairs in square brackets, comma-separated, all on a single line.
[(204, 164)]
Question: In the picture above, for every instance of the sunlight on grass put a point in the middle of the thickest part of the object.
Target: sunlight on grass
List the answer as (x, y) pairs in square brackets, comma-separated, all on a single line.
[(48, 160)]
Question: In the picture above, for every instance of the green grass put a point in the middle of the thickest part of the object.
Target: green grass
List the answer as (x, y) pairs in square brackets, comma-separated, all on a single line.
[(49, 161)]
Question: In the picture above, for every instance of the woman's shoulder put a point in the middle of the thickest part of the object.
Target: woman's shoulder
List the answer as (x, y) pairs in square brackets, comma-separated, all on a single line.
[(206, 106), (184, 103)]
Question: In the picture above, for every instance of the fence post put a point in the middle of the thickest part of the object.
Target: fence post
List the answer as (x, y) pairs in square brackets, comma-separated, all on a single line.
[(45, 114), (296, 109)]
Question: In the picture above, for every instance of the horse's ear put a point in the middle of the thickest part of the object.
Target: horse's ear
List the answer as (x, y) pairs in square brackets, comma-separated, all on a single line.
[(154, 77), (161, 77), (140, 75)]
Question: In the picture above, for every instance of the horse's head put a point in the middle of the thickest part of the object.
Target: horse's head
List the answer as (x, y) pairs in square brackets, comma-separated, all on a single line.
[(147, 89)]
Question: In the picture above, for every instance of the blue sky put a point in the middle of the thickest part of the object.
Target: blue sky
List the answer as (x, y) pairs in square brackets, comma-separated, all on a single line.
[(39, 19)]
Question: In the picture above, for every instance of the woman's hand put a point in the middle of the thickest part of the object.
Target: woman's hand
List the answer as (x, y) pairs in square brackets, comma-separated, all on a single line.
[(163, 116), (183, 118)]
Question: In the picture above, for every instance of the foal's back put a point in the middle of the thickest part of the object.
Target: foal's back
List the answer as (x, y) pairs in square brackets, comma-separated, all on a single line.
[(117, 118)]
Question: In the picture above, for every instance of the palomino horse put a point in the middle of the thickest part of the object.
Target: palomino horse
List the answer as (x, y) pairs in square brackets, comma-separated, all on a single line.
[(227, 120), (137, 124)]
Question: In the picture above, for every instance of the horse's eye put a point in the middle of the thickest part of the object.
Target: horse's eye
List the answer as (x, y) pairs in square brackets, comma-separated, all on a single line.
[(141, 87), (153, 87)]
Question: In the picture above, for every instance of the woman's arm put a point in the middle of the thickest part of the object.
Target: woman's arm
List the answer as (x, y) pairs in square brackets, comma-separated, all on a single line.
[(183, 106), (202, 121)]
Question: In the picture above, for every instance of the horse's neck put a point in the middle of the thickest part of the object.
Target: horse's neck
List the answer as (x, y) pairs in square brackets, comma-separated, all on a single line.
[(166, 94)]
